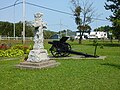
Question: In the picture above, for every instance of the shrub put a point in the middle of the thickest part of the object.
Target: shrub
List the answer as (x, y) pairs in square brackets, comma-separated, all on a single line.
[(21, 47), (95, 42), (26, 57), (27, 51), (101, 46), (2, 53), (4, 46), (30, 47), (11, 53), (71, 39)]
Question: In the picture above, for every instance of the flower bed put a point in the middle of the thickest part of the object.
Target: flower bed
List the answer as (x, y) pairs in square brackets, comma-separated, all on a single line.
[(18, 50), (11, 53)]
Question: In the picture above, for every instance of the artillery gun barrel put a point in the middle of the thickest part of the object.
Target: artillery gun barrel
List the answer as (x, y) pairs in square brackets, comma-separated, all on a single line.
[(80, 53), (50, 42)]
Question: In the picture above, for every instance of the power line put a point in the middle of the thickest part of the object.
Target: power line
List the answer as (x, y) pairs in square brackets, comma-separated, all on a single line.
[(99, 19), (61, 11), (10, 6), (49, 8)]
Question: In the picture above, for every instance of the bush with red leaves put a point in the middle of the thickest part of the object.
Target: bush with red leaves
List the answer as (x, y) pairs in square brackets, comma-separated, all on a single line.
[(4, 46)]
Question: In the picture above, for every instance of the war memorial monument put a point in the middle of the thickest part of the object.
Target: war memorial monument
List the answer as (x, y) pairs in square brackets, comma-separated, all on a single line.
[(38, 57)]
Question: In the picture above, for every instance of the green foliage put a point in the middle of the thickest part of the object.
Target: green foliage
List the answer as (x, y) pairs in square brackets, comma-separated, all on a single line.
[(107, 29), (21, 47), (103, 28), (27, 51), (2, 53), (30, 47), (71, 39), (114, 7), (26, 57), (11, 53), (48, 34), (86, 10), (6, 29), (95, 42), (102, 46), (67, 32)]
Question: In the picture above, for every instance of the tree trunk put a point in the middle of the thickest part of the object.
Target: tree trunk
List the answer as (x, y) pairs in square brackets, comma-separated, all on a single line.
[(80, 40)]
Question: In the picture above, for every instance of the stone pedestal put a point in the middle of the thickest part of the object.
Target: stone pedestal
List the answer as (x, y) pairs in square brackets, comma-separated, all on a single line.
[(38, 59), (38, 65), (38, 55)]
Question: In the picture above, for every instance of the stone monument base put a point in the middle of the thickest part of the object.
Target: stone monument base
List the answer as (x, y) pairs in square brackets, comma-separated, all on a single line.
[(38, 55), (38, 65)]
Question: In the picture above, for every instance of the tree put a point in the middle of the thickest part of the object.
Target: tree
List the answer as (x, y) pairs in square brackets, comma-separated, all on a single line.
[(83, 16), (103, 28), (114, 7), (48, 34), (6, 28)]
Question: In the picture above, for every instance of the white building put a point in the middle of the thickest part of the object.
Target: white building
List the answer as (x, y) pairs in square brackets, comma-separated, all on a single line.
[(85, 35), (92, 35), (98, 35)]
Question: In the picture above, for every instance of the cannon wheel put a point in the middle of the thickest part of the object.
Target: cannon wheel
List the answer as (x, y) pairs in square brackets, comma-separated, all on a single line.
[(56, 52), (60, 52), (67, 48)]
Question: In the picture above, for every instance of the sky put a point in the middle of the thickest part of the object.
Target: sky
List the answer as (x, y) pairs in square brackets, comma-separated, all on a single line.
[(55, 21)]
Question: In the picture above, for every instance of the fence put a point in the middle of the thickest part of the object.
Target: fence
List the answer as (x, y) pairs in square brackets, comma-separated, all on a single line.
[(15, 38)]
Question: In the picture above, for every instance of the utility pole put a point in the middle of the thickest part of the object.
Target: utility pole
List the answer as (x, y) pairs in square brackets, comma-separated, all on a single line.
[(60, 29), (14, 22), (23, 22), (14, 18)]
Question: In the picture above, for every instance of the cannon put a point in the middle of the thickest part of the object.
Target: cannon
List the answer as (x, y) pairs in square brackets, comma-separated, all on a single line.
[(62, 49)]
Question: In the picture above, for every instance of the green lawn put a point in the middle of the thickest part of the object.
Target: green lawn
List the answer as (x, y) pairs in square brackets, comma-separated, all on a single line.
[(70, 75)]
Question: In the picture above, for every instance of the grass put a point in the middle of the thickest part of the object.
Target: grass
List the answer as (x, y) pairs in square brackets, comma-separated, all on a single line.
[(70, 75)]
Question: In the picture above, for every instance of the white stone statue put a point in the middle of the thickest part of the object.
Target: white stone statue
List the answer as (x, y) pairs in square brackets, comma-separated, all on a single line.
[(38, 53), (38, 33)]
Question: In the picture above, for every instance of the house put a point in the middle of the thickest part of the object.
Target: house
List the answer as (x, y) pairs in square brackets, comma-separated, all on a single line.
[(92, 35), (85, 35), (98, 34)]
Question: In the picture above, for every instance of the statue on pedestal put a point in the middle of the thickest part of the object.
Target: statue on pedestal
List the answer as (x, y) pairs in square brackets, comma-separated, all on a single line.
[(38, 57), (38, 53)]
